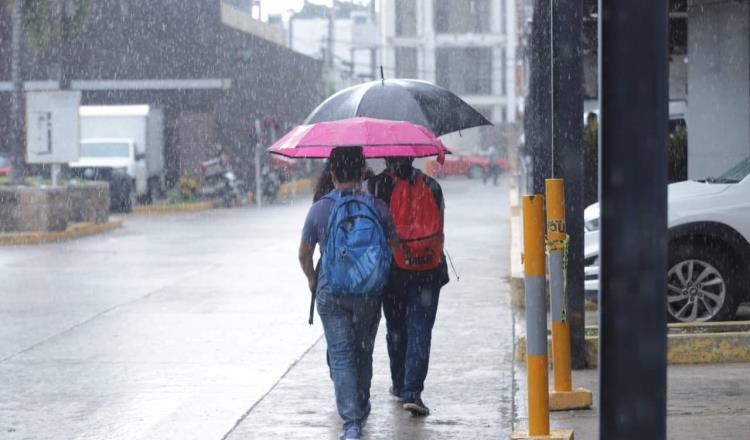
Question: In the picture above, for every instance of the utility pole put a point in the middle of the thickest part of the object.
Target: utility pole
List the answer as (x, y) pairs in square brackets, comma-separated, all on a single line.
[(373, 49), (331, 34), (633, 89), (16, 107), (538, 119), (567, 135)]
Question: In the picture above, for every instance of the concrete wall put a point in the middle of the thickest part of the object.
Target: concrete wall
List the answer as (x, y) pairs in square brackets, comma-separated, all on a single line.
[(718, 86), (36, 209)]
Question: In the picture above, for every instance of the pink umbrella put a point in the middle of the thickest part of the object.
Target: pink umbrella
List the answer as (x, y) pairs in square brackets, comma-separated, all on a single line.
[(378, 138)]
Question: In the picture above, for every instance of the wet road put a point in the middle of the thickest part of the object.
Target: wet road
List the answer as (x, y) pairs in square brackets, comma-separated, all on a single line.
[(168, 328), (174, 327)]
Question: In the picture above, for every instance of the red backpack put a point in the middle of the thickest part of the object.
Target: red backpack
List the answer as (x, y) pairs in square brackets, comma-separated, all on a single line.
[(419, 225)]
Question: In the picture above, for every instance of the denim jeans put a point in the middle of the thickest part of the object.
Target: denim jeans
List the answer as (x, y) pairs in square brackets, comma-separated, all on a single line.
[(409, 306), (350, 323)]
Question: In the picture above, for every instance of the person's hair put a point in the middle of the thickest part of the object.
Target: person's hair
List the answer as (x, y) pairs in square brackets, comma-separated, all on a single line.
[(324, 184), (347, 164), (401, 166)]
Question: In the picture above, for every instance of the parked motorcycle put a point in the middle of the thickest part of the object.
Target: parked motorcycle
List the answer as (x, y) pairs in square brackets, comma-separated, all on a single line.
[(220, 182)]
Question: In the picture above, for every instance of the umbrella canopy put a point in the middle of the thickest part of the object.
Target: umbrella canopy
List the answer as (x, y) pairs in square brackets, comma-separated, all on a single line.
[(378, 138), (419, 102)]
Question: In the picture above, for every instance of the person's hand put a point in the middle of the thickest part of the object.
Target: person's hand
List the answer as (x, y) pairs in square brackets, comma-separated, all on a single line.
[(311, 284)]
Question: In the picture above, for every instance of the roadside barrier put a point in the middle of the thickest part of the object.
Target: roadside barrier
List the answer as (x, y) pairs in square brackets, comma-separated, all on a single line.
[(562, 396), (536, 323)]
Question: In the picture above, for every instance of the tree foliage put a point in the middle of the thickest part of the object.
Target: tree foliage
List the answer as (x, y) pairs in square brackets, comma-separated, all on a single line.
[(43, 19)]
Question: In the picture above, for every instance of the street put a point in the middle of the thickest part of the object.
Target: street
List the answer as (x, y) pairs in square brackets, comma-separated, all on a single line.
[(178, 326)]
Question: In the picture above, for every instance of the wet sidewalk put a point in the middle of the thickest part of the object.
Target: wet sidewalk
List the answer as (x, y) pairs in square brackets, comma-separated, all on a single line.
[(469, 387)]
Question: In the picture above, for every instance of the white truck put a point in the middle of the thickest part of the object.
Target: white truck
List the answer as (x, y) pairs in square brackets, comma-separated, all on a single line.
[(123, 139)]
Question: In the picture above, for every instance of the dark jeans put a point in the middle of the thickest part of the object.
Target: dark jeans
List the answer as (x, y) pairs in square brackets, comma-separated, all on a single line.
[(410, 306), (350, 323)]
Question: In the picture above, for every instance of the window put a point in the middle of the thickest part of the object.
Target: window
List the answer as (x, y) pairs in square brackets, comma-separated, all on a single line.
[(406, 18), (105, 150), (406, 62), (462, 16), (466, 71)]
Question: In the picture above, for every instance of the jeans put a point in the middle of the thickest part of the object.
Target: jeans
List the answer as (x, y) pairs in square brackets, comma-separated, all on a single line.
[(410, 306), (350, 323)]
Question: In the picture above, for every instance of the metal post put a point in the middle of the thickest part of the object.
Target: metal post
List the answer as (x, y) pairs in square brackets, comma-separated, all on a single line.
[(258, 175), (563, 396), (536, 314), (537, 362), (537, 120), (567, 133), (15, 138), (55, 173), (633, 87), (556, 244)]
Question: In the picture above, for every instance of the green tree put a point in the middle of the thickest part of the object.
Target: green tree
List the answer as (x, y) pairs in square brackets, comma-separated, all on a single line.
[(49, 21), (591, 160)]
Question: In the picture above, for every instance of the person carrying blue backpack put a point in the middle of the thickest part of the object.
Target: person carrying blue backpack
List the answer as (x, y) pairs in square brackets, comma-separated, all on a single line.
[(356, 236)]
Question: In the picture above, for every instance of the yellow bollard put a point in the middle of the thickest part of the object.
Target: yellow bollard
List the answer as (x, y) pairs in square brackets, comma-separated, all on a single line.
[(536, 323), (536, 314), (563, 396)]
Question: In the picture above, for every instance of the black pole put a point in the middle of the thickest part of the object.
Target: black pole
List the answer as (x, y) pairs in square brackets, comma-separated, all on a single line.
[(15, 132), (633, 74), (537, 116), (567, 109)]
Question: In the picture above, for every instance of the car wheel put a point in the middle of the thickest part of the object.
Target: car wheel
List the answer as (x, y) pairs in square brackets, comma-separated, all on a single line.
[(700, 284), (476, 172)]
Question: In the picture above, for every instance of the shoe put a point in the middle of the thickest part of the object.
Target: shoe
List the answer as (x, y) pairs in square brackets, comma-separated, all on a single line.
[(352, 433), (395, 395), (415, 406)]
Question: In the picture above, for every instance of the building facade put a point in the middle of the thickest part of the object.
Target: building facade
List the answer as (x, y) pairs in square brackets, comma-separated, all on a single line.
[(209, 66), (467, 46), (346, 38)]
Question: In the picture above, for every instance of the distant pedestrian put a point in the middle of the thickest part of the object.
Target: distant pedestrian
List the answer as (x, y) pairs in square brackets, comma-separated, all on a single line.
[(410, 297), (493, 168), (356, 236)]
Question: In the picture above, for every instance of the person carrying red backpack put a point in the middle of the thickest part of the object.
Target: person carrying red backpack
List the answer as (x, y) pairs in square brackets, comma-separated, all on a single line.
[(418, 272)]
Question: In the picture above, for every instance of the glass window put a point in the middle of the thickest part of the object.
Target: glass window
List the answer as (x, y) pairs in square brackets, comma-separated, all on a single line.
[(462, 16), (737, 172), (105, 150), (406, 62), (406, 18), (466, 71)]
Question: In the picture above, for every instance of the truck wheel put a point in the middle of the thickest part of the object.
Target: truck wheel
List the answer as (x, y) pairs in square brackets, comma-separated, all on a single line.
[(702, 285)]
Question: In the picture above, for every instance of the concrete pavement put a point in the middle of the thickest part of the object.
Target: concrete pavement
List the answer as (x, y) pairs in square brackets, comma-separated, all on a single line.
[(469, 385)]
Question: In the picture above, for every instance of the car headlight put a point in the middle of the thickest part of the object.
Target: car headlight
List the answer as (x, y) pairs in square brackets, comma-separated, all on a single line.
[(592, 225)]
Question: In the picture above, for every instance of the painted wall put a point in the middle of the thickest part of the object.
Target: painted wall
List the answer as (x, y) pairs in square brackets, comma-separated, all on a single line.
[(718, 86)]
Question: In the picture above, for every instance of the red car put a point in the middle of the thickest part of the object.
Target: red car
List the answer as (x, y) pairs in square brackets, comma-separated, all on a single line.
[(4, 166), (473, 166)]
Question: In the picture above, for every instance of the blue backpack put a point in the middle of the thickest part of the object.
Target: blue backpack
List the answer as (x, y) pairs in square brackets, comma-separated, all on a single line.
[(356, 259)]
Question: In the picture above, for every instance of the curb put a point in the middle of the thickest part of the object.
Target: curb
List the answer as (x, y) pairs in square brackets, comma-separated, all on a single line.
[(289, 188), (159, 209), (703, 343), (74, 231)]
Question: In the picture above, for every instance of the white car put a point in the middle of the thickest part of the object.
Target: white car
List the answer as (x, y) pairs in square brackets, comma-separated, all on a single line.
[(709, 246)]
